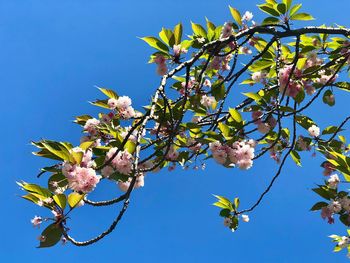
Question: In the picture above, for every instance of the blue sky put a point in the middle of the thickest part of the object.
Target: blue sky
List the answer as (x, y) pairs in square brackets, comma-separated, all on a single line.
[(52, 55)]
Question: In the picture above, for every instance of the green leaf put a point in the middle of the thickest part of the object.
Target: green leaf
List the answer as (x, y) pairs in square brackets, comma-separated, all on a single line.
[(60, 200), (130, 146), (271, 21), (343, 85), (337, 249), (235, 115), (101, 103), (236, 15), (342, 138), (253, 96), (325, 192), (109, 93), (82, 119), (31, 197), (295, 9), (74, 199), (304, 121), (269, 10), (33, 188), (221, 205), (225, 212), (51, 235), (288, 3), (77, 156), (328, 98), (57, 149), (302, 16), (86, 145), (318, 206), (224, 129), (166, 35), (178, 33), (236, 203), (156, 43), (199, 30), (330, 130), (223, 202), (282, 8), (295, 157)]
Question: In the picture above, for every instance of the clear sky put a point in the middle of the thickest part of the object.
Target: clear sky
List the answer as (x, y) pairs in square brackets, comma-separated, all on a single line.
[(53, 53)]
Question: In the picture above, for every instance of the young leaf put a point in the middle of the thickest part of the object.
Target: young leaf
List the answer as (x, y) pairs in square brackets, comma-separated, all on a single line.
[(269, 10), (282, 8), (74, 198), (156, 43), (108, 92), (288, 3), (60, 200), (199, 30), (166, 35), (302, 16), (235, 115), (236, 15), (253, 96), (270, 21), (178, 33), (295, 9), (295, 157), (51, 235)]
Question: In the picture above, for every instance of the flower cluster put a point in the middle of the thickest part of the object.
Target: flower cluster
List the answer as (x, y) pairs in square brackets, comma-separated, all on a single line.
[(123, 106), (121, 163), (240, 153), (162, 68), (81, 177), (263, 126)]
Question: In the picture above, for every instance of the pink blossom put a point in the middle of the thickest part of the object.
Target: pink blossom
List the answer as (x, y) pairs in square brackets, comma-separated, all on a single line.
[(208, 101), (216, 63), (227, 221), (302, 144), (326, 212), (335, 207), (333, 181), (84, 180), (207, 83), (256, 116), (220, 156), (264, 128), (36, 221), (242, 154), (124, 186), (314, 131), (245, 218), (162, 69), (112, 103), (107, 171), (159, 59), (122, 162), (259, 76), (68, 169), (178, 50), (245, 50), (127, 113), (310, 90), (247, 16), (227, 30), (140, 181), (91, 126), (172, 154)]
